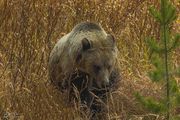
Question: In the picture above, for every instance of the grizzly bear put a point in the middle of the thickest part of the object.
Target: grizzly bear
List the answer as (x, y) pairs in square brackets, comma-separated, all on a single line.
[(85, 60)]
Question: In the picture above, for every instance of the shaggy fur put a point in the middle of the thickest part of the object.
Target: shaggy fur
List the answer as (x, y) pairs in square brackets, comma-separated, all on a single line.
[(85, 59)]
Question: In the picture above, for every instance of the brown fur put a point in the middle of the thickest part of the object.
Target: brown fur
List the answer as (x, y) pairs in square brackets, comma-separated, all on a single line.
[(63, 57), (87, 54)]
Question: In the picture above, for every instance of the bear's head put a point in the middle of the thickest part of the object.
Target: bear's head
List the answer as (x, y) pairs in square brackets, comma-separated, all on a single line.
[(98, 62)]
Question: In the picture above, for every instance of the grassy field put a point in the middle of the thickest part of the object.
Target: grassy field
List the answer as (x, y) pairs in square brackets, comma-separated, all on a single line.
[(30, 28)]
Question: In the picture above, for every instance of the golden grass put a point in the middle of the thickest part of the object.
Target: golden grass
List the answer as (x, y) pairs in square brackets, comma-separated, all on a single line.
[(30, 28)]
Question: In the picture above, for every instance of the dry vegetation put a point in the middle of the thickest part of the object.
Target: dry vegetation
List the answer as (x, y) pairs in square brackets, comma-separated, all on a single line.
[(30, 28)]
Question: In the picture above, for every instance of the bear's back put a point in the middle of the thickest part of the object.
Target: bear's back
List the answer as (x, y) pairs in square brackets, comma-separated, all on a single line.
[(87, 26), (89, 30)]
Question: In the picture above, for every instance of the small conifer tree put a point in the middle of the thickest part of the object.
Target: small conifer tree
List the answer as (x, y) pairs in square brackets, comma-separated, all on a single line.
[(163, 72)]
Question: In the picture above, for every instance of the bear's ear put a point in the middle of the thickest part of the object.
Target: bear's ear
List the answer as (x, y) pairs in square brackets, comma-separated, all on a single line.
[(112, 39), (86, 44)]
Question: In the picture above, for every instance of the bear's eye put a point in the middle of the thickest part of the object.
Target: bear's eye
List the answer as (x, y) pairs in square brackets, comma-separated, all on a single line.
[(96, 68)]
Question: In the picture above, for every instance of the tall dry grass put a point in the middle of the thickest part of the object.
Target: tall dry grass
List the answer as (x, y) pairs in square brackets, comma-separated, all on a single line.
[(30, 28)]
